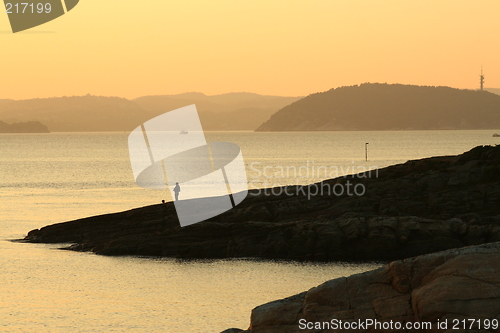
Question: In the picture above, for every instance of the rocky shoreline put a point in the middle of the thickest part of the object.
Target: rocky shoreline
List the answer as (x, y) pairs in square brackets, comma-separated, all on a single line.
[(418, 207), (459, 288), (408, 213)]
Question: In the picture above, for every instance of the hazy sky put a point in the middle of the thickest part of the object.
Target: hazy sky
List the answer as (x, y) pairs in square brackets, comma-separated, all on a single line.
[(133, 48)]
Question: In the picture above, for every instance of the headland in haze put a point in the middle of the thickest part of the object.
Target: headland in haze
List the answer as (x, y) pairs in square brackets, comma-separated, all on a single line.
[(24, 127), (382, 107), (232, 111), (368, 106)]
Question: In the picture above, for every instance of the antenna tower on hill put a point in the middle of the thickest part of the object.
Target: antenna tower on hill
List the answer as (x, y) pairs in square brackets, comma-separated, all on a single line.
[(481, 79)]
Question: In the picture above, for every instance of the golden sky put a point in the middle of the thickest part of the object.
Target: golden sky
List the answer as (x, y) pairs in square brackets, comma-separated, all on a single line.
[(277, 47)]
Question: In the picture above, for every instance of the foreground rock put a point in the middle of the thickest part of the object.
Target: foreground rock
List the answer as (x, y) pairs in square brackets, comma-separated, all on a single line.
[(409, 209), (449, 287)]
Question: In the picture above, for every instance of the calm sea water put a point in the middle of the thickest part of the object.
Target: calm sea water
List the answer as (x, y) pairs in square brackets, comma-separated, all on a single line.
[(62, 176)]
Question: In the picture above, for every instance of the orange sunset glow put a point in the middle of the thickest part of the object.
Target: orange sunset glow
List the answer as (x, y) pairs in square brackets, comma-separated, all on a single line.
[(292, 48), (246, 166)]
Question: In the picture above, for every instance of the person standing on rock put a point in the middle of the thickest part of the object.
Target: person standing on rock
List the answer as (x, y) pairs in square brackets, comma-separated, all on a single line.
[(177, 189), (164, 204)]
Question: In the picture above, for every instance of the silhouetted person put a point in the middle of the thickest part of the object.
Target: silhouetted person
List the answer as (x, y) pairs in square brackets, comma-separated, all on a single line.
[(164, 204), (177, 189), (168, 215)]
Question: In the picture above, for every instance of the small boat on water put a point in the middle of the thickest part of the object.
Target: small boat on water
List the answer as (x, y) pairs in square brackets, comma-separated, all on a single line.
[(183, 132), (496, 135)]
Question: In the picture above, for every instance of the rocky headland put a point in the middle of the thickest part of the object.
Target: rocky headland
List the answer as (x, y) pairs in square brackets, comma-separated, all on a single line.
[(408, 213), (410, 209)]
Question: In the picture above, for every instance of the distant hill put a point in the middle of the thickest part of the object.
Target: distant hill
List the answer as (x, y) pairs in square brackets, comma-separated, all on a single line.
[(77, 114), (232, 111), (373, 106), (27, 127)]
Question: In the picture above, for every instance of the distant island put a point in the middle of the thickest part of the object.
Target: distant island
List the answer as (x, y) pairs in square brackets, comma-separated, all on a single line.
[(374, 106), (26, 127), (369, 106), (226, 112)]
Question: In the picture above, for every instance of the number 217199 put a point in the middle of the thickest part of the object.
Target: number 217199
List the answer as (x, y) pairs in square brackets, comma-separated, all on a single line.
[(28, 8)]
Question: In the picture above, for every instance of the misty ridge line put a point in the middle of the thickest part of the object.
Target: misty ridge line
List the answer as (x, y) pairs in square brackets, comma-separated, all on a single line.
[(368, 106), (231, 111)]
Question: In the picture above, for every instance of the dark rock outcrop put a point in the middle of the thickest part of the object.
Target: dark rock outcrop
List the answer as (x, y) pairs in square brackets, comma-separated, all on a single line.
[(450, 286), (409, 209)]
